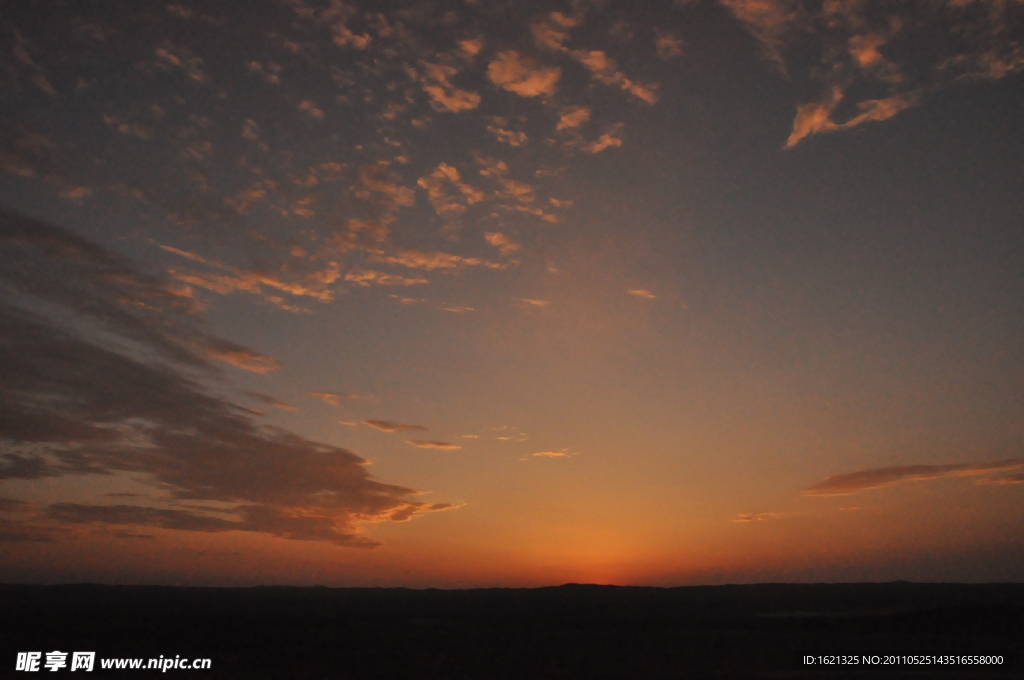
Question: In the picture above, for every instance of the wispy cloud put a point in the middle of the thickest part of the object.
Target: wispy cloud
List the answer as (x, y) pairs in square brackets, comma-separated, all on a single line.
[(271, 401), (869, 49), (640, 292), (757, 516), (393, 426), (501, 242), (114, 292), (425, 444), (864, 480), (563, 453), (332, 398)]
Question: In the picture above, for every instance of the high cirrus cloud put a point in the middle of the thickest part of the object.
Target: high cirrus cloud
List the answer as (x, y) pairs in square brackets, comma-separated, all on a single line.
[(864, 480)]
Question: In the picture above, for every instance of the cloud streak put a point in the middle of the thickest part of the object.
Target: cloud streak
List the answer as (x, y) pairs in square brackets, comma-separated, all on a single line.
[(427, 444), (876, 478), (394, 426), (72, 407)]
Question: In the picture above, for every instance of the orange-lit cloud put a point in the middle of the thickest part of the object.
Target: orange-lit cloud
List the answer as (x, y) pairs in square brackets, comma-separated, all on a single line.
[(367, 277), (816, 117), (332, 398), (604, 69), (864, 480), (443, 94), (563, 453), (501, 242), (756, 516), (522, 75), (668, 45), (418, 259), (573, 117), (393, 426), (640, 292)]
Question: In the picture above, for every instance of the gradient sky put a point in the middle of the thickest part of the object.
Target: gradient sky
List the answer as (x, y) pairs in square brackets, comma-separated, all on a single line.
[(479, 293)]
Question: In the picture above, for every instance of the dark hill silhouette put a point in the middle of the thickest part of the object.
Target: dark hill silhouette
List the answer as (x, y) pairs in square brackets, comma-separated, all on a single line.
[(570, 631)]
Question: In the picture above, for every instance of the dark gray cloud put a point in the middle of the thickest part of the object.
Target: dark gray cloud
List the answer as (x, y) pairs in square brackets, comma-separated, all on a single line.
[(69, 406), (863, 480), (428, 444), (393, 426), (55, 266)]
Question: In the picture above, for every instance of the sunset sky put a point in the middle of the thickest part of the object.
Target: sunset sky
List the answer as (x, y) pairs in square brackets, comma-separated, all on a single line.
[(504, 293)]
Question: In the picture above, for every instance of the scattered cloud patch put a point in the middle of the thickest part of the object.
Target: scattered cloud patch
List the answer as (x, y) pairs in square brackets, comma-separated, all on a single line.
[(522, 75)]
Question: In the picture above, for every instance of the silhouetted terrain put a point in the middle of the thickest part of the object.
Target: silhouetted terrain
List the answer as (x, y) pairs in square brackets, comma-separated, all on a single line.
[(572, 631)]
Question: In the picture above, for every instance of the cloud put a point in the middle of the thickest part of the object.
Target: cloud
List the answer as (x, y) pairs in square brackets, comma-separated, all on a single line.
[(271, 401), (510, 137), (424, 444), (668, 45), (573, 117), (418, 259), (393, 426), (864, 48), (864, 480), (471, 48), (113, 292), (552, 32), (768, 21), (501, 242), (816, 117), (315, 285), (443, 94), (447, 193), (640, 292), (564, 453), (332, 398), (172, 57), (312, 110), (1007, 479), (379, 184), (604, 69), (366, 277), (606, 140), (77, 403), (757, 516), (534, 303), (522, 75)]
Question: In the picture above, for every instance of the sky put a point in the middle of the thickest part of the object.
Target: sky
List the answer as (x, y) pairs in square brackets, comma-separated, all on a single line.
[(484, 293)]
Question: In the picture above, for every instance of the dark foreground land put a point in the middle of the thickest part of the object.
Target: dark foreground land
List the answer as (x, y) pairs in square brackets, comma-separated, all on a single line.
[(572, 631)]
